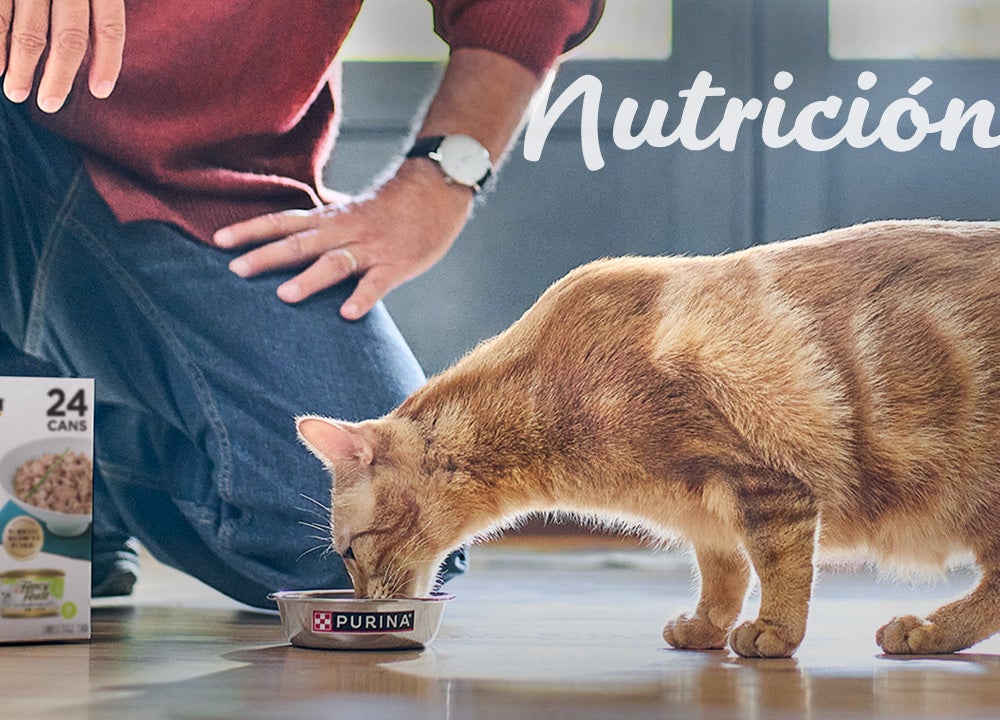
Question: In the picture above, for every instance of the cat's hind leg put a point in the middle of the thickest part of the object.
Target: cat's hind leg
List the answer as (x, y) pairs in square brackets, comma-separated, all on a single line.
[(955, 626), (725, 575)]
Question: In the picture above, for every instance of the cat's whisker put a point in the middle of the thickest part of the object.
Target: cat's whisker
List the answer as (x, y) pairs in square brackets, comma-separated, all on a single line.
[(421, 533), (398, 571), (323, 539), (325, 543), (399, 566), (316, 526), (324, 548), (403, 568), (392, 565), (324, 511), (323, 506)]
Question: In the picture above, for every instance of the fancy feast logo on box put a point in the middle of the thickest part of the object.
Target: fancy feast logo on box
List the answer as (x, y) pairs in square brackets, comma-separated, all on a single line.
[(324, 621)]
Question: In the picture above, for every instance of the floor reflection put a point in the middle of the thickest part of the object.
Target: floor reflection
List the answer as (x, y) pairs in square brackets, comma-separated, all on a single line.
[(549, 641), (287, 682)]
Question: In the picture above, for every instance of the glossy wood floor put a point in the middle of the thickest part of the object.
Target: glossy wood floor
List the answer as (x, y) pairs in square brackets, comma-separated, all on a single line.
[(531, 634)]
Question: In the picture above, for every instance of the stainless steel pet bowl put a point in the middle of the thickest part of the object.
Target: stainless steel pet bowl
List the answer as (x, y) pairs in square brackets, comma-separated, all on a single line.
[(336, 620)]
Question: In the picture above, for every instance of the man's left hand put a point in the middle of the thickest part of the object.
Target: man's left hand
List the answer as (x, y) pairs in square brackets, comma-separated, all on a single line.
[(385, 237)]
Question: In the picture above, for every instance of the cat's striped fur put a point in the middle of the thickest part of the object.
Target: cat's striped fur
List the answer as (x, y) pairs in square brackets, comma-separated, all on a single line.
[(838, 392)]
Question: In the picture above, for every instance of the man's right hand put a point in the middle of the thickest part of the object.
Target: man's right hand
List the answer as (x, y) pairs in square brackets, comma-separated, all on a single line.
[(66, 28)]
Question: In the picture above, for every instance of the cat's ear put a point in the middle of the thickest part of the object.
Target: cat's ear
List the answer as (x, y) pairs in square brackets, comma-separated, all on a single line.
[(335, 441)]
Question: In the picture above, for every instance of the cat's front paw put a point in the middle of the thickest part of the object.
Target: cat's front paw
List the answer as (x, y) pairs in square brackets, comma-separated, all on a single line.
[(764, 639), (911, 635), (690, 632)]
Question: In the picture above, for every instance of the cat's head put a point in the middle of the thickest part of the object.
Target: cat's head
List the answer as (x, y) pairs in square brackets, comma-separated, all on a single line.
[(392, 518)]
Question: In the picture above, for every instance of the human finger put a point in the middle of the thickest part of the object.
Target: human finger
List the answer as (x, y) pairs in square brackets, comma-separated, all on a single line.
[(6, 15), (264, 227), (329, 269), (69, 36), (29, 30), (108, 32), (293, 250), (372, 287)]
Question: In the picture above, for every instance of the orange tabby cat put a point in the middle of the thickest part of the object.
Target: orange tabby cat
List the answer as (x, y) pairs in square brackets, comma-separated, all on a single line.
[(839, 391)]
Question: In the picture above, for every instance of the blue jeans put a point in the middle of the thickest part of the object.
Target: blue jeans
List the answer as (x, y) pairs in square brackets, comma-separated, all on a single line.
[(198, 374)]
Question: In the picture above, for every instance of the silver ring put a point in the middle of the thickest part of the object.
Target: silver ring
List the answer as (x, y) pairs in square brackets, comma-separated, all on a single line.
[(350, 258)]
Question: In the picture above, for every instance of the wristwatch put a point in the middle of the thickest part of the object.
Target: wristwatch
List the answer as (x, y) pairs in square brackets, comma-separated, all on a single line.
[(462, 159)]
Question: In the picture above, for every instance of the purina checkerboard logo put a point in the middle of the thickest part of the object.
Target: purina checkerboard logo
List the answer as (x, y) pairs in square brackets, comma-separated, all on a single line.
[(325, 621), (322, 621)]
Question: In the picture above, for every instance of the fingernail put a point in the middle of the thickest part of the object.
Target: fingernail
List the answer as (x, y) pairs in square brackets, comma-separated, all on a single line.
[(349, 311), (103, 89), (49, 104), (290, 292), (223, 237), (17, 95), (239, 266)]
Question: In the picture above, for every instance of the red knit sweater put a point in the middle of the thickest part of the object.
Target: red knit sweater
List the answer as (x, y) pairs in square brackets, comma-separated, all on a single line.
[(228, 110)]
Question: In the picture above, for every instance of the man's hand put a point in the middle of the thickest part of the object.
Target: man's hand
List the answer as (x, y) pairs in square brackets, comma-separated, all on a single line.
[(393, 234), (385, 237), (398, 231), (66, 28)]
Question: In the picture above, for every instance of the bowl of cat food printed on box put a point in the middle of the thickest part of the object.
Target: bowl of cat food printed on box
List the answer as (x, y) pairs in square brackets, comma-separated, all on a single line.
[(336, 620), (52, 479)]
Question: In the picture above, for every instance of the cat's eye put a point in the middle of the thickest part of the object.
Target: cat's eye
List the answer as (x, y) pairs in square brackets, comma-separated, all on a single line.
[(348, 554)]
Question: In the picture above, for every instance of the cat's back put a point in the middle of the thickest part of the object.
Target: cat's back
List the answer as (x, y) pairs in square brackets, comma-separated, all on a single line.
[(791, 313), (902, 283), (790, 301), (887, 259)]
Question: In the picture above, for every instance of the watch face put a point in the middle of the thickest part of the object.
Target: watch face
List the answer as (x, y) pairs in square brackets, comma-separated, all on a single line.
[(464, 160)]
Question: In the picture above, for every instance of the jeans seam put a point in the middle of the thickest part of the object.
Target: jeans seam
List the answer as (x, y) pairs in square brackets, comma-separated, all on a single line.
[(42, 192), (147, 307), (47, 245)]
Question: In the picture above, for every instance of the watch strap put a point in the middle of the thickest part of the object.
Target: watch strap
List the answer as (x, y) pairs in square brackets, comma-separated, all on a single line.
[(427, 146), (423, 147)]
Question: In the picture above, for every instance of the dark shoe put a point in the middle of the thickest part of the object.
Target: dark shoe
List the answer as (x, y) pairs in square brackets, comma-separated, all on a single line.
[(117, 582), (454, 565), (115, 572)]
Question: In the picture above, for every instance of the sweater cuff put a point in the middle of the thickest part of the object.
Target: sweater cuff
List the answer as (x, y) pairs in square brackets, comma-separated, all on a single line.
[(531, 32)]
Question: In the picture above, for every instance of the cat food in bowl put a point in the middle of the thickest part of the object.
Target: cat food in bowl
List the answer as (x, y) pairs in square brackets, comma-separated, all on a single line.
[(336, 620), (52, 480)]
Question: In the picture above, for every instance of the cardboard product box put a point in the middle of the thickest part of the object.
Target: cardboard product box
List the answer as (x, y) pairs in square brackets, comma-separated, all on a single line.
[(46, 491)]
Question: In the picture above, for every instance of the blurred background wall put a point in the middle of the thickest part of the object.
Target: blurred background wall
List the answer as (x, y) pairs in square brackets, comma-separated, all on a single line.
[(547, 217)]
